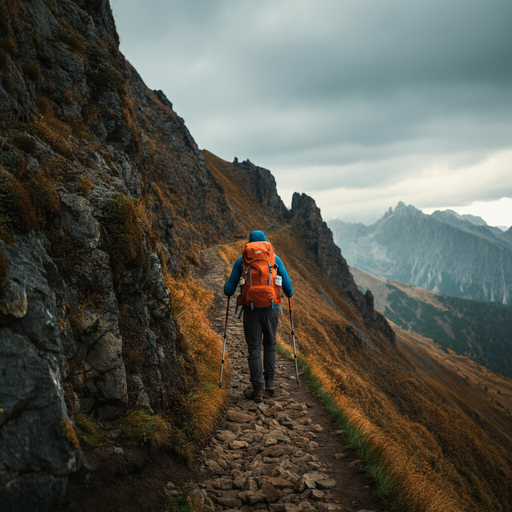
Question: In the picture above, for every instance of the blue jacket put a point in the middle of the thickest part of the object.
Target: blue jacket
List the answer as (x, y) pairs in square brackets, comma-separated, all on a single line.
[(236, 272)]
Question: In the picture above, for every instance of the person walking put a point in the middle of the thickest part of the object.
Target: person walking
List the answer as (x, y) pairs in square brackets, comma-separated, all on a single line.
[(262, 275)]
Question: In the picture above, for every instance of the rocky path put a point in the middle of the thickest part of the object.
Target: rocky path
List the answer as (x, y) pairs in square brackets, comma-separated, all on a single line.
[(283, 454)]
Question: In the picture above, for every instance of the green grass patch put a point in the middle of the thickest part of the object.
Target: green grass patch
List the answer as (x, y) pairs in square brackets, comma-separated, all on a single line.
[(186, 501), (88, 430), (139, 427)]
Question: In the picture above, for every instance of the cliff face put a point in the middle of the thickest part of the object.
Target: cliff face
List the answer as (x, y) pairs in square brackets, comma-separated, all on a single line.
[(102, 191), (97, 199), (442, 252)]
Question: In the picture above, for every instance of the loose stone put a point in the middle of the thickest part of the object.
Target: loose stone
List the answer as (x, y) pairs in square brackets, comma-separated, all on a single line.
[(329, 483), (237, 445), (226, 435), (213, 467), (239, 417), (277, 482), (250, 485), (270, 492), (317, 495), (254, 497)]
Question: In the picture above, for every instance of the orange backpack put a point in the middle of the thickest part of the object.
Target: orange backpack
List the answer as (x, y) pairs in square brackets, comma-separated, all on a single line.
[(259, 271)]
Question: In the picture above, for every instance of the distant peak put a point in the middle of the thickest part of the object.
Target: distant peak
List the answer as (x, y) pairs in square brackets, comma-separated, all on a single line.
[(446, 214), (474, 219), (402, 209)]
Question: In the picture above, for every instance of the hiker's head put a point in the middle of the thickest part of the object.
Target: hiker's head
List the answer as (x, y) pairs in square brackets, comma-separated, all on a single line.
[(257, 236)]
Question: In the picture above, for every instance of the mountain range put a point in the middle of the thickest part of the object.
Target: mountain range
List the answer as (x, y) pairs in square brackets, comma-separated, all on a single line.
[(459, 256)]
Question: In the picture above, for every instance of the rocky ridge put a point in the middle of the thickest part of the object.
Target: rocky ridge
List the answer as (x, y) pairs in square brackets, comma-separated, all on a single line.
[(318, 239), (263, 187)]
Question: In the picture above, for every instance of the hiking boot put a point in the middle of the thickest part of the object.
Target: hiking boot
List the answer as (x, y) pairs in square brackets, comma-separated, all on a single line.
[(257, 395), (270, 386)]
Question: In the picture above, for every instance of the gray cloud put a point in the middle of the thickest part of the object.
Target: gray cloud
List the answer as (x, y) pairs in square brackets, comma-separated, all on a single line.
[(363, 91)]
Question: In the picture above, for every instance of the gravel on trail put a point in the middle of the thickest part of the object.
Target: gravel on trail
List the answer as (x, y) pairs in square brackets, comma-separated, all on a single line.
[(283, 454)]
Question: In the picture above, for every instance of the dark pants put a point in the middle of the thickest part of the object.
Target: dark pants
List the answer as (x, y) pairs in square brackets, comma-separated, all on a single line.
[(257, 324)]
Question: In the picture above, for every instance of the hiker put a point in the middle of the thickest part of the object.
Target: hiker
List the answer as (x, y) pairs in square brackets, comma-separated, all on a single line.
[(261, 275)]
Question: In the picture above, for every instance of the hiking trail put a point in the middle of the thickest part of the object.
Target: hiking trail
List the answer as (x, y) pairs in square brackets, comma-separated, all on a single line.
[(284, 454)]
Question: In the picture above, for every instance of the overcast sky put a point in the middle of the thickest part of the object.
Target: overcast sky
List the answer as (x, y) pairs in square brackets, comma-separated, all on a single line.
[(358, 103)]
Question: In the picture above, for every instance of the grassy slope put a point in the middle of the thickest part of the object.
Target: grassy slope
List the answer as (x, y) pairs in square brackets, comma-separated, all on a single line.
[(417, 412)]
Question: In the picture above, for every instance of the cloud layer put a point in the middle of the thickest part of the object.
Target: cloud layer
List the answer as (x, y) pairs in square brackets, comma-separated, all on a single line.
[(368, 99)]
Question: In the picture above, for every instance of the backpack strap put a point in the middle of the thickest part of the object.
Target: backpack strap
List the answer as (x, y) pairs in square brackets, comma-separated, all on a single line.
[(248, 271)]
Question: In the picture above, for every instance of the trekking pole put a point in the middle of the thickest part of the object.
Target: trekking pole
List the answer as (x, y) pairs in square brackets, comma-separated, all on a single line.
[(224, 346), (293, 338)]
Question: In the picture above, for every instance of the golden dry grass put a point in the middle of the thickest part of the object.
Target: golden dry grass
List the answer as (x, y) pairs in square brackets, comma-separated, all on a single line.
[(415, 414), (207, 402), (248, 213), (229, 254)]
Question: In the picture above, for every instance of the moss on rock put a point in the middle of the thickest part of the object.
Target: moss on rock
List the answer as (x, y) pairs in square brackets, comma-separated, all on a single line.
[(125, 233), (16, 209)]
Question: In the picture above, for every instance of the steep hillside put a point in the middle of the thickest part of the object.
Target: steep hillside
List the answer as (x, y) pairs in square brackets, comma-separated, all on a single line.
[(442, 252), (421, 415), (481, 331), (103, 194)]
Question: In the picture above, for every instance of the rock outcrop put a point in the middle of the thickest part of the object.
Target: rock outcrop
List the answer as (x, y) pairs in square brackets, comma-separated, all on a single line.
[(263, 187), (39, 455), (318, 239)]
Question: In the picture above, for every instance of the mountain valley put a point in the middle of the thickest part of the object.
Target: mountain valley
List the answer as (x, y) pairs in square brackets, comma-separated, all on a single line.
[(481, 331)]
